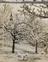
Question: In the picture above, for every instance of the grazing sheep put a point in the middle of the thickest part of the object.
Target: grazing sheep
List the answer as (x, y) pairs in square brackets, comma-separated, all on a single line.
[(22, 57)]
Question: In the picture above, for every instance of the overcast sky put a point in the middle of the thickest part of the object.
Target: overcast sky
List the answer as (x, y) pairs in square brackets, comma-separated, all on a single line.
[(25, 0)]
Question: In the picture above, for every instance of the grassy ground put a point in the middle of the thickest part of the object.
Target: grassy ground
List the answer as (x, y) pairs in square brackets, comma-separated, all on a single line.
[(7, 56)]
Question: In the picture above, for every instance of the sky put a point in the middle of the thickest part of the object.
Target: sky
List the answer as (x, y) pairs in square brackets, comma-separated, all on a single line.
[(25, 0)]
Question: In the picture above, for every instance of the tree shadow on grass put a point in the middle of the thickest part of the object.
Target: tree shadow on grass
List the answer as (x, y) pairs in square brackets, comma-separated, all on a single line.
[(36, 58)]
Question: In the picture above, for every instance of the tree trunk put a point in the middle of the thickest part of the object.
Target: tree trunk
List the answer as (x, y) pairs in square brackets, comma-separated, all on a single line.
[(36, 47), (13, 47)]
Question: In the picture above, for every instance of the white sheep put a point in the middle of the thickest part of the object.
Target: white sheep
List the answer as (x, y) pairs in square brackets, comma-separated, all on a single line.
[(23, 57)]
